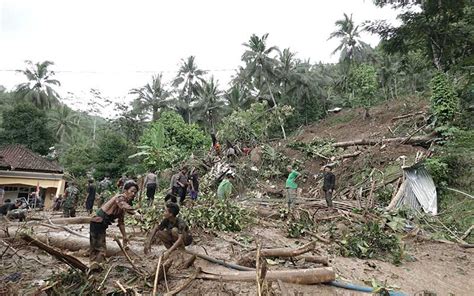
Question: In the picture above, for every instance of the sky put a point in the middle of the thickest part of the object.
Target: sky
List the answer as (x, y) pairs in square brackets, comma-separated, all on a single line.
[(115, 46)]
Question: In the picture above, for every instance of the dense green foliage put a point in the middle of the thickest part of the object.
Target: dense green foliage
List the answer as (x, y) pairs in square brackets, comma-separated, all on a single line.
[(27, 125), (444, 102), (170, 140)]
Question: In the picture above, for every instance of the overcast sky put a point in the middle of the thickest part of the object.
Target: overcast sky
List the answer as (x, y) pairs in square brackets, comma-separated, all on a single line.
[(117, 45)]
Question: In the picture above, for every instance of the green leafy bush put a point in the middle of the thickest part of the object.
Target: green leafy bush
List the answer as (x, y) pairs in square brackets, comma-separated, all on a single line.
[(253, 125), (317, 148), (371, 241), (216, 214), (169, 141)]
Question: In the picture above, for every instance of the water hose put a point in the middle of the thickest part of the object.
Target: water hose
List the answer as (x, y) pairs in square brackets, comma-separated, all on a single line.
[(354, 287)]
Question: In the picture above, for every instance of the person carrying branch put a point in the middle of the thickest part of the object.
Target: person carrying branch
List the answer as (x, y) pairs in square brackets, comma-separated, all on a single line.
[(113, 209), (173, 232), (291, 186)]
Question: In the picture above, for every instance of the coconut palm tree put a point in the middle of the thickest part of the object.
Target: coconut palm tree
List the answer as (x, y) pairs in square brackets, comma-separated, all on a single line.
[(261, 67), (351, 46), (188, 78), (237, 97), (152, 96), (39, 87), (210, 103), (63, 121)]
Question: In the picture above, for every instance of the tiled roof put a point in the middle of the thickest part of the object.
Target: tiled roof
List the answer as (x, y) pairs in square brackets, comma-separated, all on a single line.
[(20, 158)]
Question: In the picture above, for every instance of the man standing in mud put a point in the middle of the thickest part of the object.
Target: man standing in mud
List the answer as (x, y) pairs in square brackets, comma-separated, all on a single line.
[(329, 183), (291, 186)]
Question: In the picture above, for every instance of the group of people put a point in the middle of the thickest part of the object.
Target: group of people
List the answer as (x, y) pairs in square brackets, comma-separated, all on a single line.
[(172, 231), (329, 184)]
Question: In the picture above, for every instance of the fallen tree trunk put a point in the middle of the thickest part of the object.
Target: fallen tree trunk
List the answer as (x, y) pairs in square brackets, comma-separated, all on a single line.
[(74, 244), (249, 258), (295, 276), (349, 155), (75, 220), (406, 140), (315, 259), (407, 115), (68, 259)]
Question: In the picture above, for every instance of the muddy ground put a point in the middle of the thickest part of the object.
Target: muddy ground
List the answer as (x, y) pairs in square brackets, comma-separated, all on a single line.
[(444, 269)]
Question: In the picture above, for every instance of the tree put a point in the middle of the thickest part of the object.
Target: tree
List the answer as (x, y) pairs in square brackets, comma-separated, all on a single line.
[(63, 120), (188, 78), (111, 155), (364, 85), (442, 29), (39, 87), (153, 96), (210, 103), (25, 124), (260, 67), (352, 48), (237, 97)]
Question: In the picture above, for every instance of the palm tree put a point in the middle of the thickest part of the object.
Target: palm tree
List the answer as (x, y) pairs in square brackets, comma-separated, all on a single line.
[(210, 103), (188, 78), (152, 96), (63, 121), (39, 87), (237, 97), (352, 47), (261, 67)]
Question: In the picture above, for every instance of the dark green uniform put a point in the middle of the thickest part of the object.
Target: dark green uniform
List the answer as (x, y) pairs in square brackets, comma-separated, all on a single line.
[(70, 204)]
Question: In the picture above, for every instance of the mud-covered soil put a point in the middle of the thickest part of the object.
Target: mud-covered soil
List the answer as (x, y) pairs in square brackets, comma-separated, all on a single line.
[(440, 268)]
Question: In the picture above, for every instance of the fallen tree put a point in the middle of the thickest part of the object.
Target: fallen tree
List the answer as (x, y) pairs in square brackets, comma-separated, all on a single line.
[(295, 276), (419, 140), (68, 259)]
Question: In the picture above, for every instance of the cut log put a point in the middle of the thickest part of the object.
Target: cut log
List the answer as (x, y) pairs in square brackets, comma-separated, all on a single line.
[(295, 276), (314, 259), (419, 140), (74, 244), (407, 115), (349, 155), (75, 220), (68, 259), (249, 259)]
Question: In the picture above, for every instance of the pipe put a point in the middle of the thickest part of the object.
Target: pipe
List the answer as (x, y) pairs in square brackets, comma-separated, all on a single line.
[(354, 287)]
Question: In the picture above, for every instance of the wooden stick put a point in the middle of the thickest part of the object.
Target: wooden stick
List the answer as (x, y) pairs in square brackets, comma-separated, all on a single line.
[(155, 283), (105, 278), (128, 257), (459, 191), (120, 286), (259, 286), (220, 262), (63, 227), (407, 115), (185, 284), (466, 234)]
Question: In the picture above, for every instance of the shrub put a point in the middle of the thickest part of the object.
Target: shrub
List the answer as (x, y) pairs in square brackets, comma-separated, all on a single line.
[(444, 101)]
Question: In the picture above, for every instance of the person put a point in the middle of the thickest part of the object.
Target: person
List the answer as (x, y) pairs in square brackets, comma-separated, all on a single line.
[(104, 191), (58, 203), (173, 231), (194, 182), (2, 195), (9, 206), (291, 186), (113, 209), (179, 183), (150, 184), (215, 145), (329, 182), (225, 187), (230, 153), (121, 181), (91, 191), (13, 211), (174, 189), (70, 203)]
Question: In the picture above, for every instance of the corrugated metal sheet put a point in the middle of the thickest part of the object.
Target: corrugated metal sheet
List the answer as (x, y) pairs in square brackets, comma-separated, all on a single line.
[(420, 190)]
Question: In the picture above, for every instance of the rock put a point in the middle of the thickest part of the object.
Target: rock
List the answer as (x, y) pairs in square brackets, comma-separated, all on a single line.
[(256, 155)]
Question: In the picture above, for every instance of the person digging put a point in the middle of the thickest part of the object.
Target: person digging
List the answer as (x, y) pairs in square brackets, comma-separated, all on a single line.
[(173, 232), (113, 209)]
